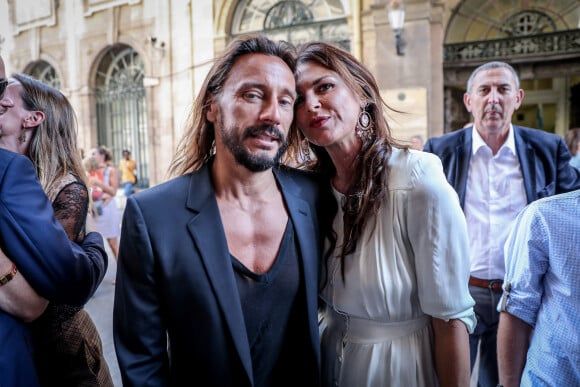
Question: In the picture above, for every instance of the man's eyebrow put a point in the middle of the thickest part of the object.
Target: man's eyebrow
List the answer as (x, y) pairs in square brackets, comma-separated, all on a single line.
[(263, 87)]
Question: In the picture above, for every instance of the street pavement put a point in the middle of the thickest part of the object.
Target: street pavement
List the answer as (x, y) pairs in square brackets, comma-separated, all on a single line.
[(100, 308)]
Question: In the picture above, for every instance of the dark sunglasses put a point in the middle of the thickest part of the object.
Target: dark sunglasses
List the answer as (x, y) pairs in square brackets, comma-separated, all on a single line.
[(3, 84)]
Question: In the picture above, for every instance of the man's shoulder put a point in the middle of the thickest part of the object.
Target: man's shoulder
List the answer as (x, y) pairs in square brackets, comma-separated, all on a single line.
[(17, 163), (172, 191), (570, 199), (449, 138), (536, 135), (296, 173), (300, 182), (6, 157), (447, 141)]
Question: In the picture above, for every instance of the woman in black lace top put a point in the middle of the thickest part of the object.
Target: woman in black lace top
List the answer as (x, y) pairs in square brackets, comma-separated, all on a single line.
[(42, 125)]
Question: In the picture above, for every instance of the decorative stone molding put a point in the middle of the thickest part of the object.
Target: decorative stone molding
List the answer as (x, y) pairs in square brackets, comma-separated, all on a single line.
[(24, 17), (92, 6), (521, 47)]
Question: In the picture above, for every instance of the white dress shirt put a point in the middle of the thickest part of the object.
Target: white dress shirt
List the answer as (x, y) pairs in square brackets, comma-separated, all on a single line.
[(494, 196)]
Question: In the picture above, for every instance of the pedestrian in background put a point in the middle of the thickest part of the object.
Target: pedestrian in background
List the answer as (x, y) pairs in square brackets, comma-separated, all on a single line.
[(572, 138), (108, 223), (497, 168), (128, 167), (417, 142)]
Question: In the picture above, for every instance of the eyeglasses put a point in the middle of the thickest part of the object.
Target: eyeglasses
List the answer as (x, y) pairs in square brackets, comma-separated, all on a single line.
[(3, 84)]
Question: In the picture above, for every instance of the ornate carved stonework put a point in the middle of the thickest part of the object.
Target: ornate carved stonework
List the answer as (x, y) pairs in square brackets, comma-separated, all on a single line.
[(520, 47)]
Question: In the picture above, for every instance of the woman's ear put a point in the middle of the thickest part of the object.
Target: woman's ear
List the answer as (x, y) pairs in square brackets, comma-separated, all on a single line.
[(33, 119)]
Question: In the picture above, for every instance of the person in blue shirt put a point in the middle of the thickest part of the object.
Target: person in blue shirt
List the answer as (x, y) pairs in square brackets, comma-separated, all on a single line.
[(538, 332)]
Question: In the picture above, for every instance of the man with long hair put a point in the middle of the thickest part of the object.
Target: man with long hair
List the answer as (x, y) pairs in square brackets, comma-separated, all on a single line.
[(218, 267)]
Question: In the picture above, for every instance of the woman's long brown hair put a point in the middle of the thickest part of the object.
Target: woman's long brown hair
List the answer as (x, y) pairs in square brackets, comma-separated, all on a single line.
[(365, 195)]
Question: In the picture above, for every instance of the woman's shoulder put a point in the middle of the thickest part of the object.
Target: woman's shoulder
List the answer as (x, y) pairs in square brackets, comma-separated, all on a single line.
[(409, 167), (68, 181)]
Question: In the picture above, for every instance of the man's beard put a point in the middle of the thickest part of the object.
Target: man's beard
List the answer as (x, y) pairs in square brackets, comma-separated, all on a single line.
[(253, 162)]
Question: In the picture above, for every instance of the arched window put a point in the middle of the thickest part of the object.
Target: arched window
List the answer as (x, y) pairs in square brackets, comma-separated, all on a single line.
[(294, 20), (121, 107), (45, 73)]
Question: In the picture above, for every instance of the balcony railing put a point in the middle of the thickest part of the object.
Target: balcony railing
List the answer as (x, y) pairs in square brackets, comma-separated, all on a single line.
[(561, 43)]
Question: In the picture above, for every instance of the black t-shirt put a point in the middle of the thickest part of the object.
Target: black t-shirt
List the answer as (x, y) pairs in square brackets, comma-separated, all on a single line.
[(275, 315)]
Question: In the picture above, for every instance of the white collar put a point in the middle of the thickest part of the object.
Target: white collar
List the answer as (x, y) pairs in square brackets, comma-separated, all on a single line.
[(477, 141)]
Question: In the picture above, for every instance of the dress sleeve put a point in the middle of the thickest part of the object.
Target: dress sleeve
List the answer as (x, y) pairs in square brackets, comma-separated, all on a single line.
[(71, 209), (438, 237)]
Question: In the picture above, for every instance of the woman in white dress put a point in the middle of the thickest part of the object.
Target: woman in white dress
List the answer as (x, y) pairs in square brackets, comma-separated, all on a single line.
[(108, 220), (396, 307)]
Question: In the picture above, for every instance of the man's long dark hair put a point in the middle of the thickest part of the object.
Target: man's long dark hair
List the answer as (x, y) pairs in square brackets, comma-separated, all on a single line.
[(197, 144)]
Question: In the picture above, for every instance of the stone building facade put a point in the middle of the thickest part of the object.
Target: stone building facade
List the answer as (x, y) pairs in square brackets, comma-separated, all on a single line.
[(131, 68)]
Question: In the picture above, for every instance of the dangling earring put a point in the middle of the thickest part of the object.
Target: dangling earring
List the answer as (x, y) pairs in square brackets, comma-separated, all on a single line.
[(22, 137), (305, 151), (364, 127)]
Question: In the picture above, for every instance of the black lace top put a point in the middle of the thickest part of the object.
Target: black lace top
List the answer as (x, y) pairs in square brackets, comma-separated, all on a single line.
[(70, 202)]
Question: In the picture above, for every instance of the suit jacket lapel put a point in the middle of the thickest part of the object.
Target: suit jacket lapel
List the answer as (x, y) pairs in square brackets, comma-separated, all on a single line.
[(526, 156), (460, 164), (207, 231)]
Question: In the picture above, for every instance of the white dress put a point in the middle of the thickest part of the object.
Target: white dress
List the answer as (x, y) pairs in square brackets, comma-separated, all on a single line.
[(108, 224), (375, 330)]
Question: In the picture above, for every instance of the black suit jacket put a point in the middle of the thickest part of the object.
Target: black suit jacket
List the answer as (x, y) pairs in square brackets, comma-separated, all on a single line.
[(177, 314), (544, 160)]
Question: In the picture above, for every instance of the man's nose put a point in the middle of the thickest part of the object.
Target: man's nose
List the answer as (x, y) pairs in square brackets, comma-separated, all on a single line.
[(493, 96), (271, 111)]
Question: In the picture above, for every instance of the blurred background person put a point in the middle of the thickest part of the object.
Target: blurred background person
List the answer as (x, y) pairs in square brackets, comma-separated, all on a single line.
[(41, 124), (108, 223), (396, 310), (128, 167), (91, 165), (417, 142), (572, 138)]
